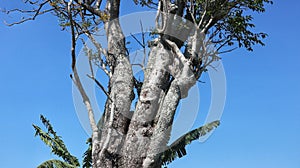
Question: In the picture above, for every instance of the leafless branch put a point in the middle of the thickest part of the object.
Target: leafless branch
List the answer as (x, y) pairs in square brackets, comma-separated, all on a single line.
[(98, 4), (19, 10), (31, 2), (98, 46), (144, 43), (76, 76), (99, 51), (161, 14), (203, 15), (35, 12), (207, 26), (140, 65), (202, 18), (89, 7), (100, 86), (222, 45), (91, 67), (177, 51), (226, 51), (137, 40)]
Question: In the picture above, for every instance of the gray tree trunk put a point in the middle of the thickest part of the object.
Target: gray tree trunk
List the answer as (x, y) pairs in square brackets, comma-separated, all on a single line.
[(138, 141)]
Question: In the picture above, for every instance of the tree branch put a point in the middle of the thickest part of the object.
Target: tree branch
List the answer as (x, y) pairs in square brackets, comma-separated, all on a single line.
[(36, 12), (101, 87), (76, 76)]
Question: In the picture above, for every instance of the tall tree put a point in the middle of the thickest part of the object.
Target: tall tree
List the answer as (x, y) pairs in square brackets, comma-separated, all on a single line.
[(139, 138)]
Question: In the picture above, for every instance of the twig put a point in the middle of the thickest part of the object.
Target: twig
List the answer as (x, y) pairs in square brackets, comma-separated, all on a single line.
[(202, 19), (144, 43), (35, 11), (101, 87), (89, 7), (137, 40), (207, 25), (140, 65), (98, 4), (31, 2), (226, 51), (100, 50)]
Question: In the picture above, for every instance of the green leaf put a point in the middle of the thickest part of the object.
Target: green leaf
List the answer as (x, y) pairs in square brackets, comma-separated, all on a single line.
[(55, 164), (57, 146), (87, 156), (177, 148)]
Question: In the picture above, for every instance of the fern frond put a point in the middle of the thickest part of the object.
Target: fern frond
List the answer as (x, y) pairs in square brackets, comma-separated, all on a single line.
[(87, 156), (47, 125), (54, 142), (55, 164), (177, 148)]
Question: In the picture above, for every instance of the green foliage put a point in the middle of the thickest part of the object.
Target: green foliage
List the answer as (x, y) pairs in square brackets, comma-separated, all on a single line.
[(63, 21), (177, 148), (55, 164), (255, 5), (57, 146), (236, 28), (87, 156), (231, 24), (143, 2)]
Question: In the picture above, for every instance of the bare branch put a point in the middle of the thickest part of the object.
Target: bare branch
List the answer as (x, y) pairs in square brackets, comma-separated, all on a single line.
[(140, 65), (19, 10), (226, 51), (98, 4), (31, 2), (138, 41), (178, 53), (144, 43), (163, 15), (76, 76), (89, 8), (36, 12), (207, 26), (100, 50), (202, 19), (101, 87), (222, 45)]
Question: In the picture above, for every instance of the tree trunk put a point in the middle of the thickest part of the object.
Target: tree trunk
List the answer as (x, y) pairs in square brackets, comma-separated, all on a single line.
[(139, 141)]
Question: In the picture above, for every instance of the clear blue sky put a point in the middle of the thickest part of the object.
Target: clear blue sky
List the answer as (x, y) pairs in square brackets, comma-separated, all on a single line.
[(259, 128)]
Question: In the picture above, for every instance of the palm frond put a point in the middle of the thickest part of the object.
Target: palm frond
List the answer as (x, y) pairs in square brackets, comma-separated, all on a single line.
[(177, 148), (55, 164), (54, 142), (87, 156)]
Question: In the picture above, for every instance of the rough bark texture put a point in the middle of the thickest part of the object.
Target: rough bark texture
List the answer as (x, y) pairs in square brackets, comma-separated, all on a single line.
[(141, 127), (140, 141), (121, 94)]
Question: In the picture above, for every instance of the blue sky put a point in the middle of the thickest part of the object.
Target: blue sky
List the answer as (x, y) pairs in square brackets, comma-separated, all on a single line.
[(259, 128)]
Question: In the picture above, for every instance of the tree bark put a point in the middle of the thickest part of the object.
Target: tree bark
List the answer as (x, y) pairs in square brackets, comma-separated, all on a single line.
[(116, 116), (140, 141), (141, 127)]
